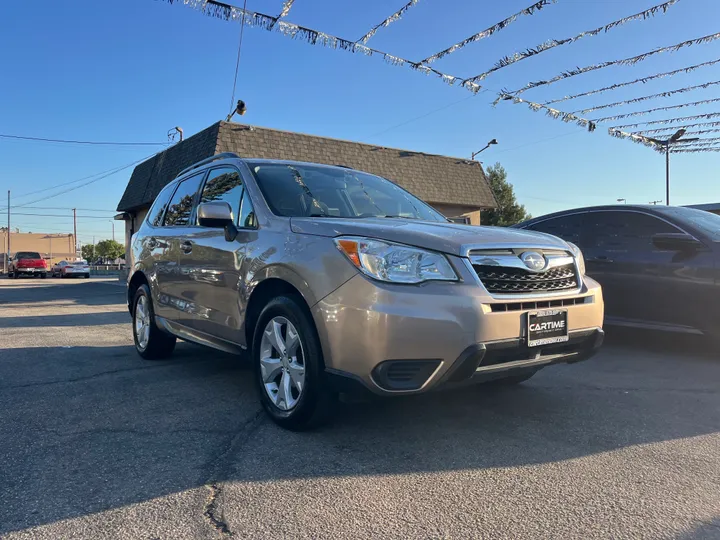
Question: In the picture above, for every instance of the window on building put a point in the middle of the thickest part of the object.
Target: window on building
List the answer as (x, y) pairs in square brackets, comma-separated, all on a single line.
[(460, 219), (224, 185), (181, 205)]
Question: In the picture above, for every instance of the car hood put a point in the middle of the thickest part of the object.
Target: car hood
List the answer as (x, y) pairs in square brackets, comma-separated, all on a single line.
[(451, 238)]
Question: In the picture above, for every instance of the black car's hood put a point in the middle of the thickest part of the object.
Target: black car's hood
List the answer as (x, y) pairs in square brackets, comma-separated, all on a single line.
[(448, 237)]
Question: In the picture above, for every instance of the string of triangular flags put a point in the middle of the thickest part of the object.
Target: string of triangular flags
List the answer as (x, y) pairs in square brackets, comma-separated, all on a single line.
[(551, 44), (656, 109), (645, 98), (391, 19)]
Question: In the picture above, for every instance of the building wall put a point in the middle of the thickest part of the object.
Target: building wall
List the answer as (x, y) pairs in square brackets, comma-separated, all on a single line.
[(53, 247), (454, 211)]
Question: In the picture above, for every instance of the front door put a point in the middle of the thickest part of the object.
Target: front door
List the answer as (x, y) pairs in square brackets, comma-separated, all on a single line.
[(212, 265)]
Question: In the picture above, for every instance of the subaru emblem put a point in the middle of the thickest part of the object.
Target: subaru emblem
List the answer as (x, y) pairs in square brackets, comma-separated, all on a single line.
[(533, 260)]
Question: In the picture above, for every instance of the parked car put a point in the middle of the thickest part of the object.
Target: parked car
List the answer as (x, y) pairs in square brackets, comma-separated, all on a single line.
[(337, 280), (29, 263), (659, 266), (66, 269)]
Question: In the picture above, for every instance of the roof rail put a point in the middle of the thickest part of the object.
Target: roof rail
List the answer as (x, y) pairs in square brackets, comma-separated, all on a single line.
[(223, 155)]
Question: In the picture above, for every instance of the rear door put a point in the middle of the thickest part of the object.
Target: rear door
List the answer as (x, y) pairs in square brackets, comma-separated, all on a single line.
[(165, 243), (212, 265)]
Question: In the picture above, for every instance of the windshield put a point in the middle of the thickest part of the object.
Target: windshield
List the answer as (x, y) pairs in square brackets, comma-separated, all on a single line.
[(301, 190), (706, 222), (28, 255)]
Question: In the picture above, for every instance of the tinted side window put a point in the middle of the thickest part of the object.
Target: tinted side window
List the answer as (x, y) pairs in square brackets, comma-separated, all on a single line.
[(625, 231), (181, 204), (157, 210), (247, 213), (566, 227), (224, 185)]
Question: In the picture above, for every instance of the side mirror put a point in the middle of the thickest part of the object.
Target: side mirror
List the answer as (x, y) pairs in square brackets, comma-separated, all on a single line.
[(676, 242), (218, 215)]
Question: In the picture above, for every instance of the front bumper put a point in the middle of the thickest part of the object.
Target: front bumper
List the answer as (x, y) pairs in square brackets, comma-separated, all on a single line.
[(396, 339)]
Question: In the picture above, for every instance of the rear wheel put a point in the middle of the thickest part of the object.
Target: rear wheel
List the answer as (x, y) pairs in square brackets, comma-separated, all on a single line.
[(289, 367), (150, 342), (87, 276), (43, 275)]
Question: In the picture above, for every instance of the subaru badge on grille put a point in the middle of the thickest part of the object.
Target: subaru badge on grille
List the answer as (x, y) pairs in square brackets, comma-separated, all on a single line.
[(533, 260)]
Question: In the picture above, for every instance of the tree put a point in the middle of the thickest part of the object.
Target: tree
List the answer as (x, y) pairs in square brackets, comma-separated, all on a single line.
[(87, 251), (109, 249), (508, 211)]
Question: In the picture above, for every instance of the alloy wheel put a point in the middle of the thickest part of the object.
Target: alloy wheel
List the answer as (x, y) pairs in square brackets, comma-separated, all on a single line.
[(282, 363), (142, 322)]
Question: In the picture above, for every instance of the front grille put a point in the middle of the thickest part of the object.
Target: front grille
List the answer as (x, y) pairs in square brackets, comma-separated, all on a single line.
[(507, 280)]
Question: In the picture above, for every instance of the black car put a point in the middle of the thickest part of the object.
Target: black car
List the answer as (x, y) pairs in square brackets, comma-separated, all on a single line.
[(659, 266)]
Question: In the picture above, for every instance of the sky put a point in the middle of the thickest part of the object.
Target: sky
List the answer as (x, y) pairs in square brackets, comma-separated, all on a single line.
[(131, 70)]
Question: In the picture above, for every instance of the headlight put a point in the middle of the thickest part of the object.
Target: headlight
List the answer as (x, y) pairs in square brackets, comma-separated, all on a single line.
[(578, 257), (395, 263)]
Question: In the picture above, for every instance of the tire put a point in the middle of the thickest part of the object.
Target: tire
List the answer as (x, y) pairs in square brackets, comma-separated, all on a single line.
[(313, 404), (87, 276), (43, 276), (157, 344)]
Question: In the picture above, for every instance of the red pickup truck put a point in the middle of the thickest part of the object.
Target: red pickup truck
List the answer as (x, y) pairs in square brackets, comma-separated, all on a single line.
[(27, 262)]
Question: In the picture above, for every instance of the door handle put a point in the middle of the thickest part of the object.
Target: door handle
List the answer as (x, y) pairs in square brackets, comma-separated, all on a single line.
[(186, 247)]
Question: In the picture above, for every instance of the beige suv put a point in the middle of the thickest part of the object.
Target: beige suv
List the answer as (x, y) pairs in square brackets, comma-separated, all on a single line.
[(336, 280)]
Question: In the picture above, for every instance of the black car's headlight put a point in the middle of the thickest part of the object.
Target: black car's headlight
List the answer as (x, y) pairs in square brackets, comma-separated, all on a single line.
[(395, 263)]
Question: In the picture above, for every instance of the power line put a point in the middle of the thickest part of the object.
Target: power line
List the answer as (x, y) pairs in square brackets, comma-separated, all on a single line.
[(99, 143), (69, 208), (237, 63), (58, 215)]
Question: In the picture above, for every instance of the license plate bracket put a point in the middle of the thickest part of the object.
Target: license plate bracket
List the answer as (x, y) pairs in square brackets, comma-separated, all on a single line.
[(547, 326)]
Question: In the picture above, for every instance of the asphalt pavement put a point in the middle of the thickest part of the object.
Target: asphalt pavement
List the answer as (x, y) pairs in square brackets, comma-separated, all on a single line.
[(96, 443)]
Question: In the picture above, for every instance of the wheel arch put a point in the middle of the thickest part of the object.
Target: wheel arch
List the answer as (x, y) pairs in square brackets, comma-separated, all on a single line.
[(139, 278)]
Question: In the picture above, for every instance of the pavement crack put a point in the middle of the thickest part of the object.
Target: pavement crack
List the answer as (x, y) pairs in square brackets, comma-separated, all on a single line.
[(210, 512)]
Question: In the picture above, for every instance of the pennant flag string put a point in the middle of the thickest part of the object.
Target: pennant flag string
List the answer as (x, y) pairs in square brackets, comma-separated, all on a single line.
[(694, 150), (624, 62), (391, 19), (645, 98), (641, 139), (707, 141), (706, 116), (650, 111), (675, 128), (551, 44), (554, 113), (220, 10), (285, 10), (537, 6), (636, 81)]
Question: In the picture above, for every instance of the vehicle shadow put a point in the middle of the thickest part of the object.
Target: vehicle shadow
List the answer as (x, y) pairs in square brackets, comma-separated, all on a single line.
[(88, 429), (80, 292), (70, 319)]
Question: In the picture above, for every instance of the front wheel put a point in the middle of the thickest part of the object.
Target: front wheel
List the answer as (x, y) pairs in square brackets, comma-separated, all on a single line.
[(150, 342), (289, 367)]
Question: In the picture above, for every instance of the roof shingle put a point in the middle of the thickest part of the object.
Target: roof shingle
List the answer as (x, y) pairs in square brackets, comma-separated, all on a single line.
[(433, 178)]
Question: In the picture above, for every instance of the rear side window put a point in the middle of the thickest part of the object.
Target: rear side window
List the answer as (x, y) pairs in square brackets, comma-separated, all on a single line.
[(224, 185), (181, 205), (28, 255), (157, 210), (568, 228)]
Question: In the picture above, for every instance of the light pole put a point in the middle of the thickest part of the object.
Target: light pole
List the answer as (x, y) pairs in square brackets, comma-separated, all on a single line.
[(624, 201), (666, 144), (488, 145), (113, 226)]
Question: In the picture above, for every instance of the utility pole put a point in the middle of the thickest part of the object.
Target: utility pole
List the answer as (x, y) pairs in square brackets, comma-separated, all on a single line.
[(93, 261), (667, 172), (113, 226), (75, 231), (7, 256)]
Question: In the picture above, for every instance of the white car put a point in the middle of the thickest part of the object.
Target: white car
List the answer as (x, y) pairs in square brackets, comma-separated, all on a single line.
[(65, 269)]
